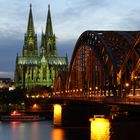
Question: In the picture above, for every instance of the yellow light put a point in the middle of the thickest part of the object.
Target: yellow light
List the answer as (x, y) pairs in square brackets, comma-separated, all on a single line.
[(90, 88), (37, 96), (99, 129), (80, 89), (127, 84), (96, 88), (57, 115), (33, 96), (35, 106), (27, 96)]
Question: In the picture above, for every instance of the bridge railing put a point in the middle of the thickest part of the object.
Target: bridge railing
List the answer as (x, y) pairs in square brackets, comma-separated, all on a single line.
[(134, 100)]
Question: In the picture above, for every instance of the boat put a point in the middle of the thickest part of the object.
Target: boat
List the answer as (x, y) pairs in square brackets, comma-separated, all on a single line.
[(15, 116)]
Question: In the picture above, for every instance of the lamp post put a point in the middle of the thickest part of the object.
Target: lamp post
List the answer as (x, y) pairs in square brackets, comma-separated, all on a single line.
[(96, 88), (127, 86)]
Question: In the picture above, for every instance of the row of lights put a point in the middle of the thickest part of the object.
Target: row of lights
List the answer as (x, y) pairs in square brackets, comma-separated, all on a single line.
[(35, 96), (76, 90)]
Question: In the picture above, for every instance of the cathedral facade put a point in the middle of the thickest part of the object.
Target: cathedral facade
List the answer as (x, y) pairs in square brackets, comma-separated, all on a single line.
[(39, 67)]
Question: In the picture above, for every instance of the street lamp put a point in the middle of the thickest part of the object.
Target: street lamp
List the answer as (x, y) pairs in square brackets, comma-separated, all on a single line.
[(127, 84), (127, 88), (80, 89), (96, 88)]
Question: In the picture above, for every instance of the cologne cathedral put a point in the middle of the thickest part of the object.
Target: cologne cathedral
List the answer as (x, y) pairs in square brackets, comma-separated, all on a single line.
[(39, 67)]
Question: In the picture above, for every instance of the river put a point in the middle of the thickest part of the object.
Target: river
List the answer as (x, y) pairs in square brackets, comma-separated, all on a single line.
[(44, 130)]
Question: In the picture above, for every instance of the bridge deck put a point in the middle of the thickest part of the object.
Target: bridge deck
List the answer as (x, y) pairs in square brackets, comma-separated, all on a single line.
[(130, 100)]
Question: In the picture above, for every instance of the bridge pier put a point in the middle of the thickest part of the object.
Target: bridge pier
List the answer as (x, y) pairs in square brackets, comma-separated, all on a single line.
[(78, 113)]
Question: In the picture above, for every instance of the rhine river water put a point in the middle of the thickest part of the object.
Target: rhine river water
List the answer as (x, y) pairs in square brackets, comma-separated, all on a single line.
[(44, 130)]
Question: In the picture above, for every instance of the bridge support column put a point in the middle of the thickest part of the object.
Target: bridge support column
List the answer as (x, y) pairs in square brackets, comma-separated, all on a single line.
[(78, 114)]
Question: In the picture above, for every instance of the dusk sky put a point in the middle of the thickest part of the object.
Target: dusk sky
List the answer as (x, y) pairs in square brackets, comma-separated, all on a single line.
[(69, 19)]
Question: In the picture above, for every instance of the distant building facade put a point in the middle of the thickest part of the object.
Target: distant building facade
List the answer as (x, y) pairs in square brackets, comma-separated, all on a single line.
[(39, 67), (6, 83)]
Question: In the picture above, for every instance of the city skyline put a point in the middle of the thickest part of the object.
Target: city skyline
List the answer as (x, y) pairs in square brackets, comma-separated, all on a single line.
[(69, 19)]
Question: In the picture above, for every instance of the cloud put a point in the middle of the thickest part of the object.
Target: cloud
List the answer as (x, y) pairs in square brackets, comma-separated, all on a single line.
[(79, 7), (69, 18), (129, 21), (66, 47)]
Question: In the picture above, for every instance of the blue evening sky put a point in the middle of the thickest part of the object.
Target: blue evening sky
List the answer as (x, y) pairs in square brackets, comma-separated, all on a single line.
[(69, 17)]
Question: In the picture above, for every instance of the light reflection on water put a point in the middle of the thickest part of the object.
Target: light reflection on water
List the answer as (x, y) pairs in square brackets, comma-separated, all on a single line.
[(40, 131), (99, 129), (26, 131), (57, 134)]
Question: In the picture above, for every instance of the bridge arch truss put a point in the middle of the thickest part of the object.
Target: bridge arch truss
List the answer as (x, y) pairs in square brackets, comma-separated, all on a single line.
[(104, 63)]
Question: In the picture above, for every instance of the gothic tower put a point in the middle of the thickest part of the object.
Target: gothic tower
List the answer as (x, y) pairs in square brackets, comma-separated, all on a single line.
[(33, 69), (48, 42), (30, 38)]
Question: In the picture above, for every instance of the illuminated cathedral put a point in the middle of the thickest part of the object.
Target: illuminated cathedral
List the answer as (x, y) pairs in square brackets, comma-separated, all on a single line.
[(39, 67)]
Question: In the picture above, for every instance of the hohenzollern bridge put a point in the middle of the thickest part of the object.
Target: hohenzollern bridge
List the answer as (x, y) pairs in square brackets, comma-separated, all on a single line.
[(104, 64)]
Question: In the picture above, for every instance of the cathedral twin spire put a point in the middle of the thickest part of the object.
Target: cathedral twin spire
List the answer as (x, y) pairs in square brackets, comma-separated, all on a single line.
[(30, 28), (47, 40), (33, 69), (30, 40), (49, 29)]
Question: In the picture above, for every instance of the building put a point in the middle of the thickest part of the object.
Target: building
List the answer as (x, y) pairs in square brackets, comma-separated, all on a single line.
[(39, 67), (6, 83)]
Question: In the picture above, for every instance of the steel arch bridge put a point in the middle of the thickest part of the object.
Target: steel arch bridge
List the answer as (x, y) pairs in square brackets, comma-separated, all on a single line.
[(103, 63)]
